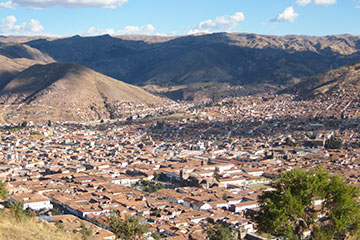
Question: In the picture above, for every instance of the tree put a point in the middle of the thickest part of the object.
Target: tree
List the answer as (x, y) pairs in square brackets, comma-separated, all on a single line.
[(24, 124), (85, 231), (18, 212), (289, 210), (59, 225), (219, 232), (333, 143), (217, 174), (128, 228), (225, 196), (210, 162), (4, 195), (289, 142), (156, 235), (156, 175)]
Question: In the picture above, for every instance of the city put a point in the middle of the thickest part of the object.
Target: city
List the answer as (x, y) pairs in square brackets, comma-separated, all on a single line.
[(178, 172)]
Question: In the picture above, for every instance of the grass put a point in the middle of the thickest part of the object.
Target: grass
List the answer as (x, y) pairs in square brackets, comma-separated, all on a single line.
[(200, 85), (265, 235), (159, 89), (258, 186), (28, 229)]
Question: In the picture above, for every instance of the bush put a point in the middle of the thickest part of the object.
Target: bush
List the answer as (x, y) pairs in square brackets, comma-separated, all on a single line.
[(333, 143), (128, 228)]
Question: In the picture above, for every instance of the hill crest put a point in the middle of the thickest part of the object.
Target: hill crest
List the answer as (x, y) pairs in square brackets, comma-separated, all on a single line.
[(66, 91)]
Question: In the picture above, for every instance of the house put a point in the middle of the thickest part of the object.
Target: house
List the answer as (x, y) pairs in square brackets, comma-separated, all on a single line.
[(239, 207), (196, 204), (33, 201)]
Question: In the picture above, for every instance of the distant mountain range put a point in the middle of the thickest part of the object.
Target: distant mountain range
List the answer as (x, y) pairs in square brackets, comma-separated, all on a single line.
[(221, 57), (80, 78)]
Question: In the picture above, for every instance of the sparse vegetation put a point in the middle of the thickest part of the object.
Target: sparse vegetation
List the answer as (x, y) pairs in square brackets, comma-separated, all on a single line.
[(4, 195), (217, 174), (156, 236), (289, 142), (225, 196), (149, 186), (219, 232), (126, 228), (19, 213), (84, 231), (333, 143), (28, 229)]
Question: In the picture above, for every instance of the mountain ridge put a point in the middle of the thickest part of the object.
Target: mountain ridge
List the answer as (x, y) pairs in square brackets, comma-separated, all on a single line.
[(234, 58)]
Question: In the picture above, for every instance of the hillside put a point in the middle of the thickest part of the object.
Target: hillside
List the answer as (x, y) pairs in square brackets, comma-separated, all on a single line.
[(222, 57), (30, 230), (343, 78), (15, 58), (14, 51), (64, 91)]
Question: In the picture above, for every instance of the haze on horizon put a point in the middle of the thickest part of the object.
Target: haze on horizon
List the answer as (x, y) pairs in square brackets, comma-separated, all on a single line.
[(178, 17)]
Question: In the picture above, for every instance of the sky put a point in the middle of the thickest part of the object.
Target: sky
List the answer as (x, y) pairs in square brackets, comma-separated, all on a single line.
[(178, 17)]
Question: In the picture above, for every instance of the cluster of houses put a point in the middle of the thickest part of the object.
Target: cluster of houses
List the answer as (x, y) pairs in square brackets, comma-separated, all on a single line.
[(212, 163)]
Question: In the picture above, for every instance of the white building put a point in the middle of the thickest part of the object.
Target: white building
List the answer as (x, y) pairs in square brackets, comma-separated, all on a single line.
[(32, 201)]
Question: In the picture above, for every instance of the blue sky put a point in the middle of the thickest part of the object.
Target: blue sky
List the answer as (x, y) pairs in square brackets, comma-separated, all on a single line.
[(178, 17)]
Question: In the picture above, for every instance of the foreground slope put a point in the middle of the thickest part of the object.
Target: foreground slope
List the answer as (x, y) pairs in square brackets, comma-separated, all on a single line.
[(64, 91), (30, 230), (343, 78), (222, 57)]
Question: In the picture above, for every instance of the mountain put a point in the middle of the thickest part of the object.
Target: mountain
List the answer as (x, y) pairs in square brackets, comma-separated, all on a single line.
[(343, 78), (14, 51), (233, 58), (15, 58), (66, 91), (22, 39)]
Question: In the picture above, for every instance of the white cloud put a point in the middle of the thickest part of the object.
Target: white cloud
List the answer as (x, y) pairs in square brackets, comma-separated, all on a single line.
[(223, 23), (34, 26), (8, 26), (39, 4), (172, 33), (288, 15), (97, 31), (135, 30), (324, 2), (315, 2), (128, 30), (303, 2), (8, 4)]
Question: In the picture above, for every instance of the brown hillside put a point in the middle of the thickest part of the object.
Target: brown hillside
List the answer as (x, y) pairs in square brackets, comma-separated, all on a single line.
[(14, 51), (343, 78), (59, 91), (15, 58)]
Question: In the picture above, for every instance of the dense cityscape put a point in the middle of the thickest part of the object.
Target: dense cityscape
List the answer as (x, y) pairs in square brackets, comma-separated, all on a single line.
[(179, 171)]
